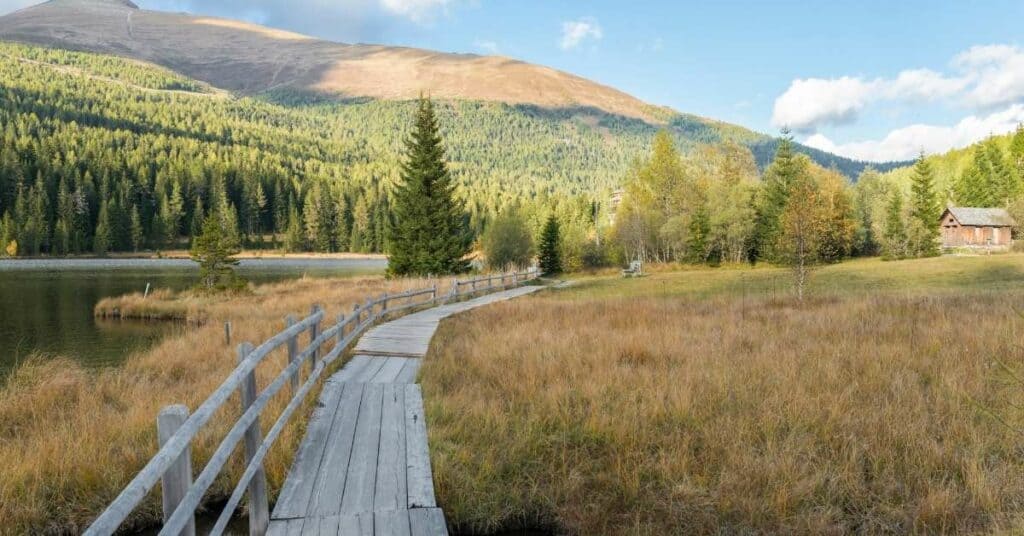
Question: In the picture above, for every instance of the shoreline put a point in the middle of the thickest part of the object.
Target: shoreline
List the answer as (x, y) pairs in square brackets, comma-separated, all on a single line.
[(183, 255)]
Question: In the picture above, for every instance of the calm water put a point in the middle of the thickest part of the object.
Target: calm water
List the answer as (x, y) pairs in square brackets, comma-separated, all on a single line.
[(46, 305)]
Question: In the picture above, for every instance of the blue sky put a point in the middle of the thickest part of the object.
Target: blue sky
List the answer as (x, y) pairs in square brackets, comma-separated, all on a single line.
[(869, 79)]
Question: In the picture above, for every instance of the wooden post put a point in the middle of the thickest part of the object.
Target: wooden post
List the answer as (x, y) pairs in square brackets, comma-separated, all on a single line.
[(227, 333), (341, 328), (384, 305), (314, 332), (433, 292), (259, 505), (175, 482), (293, 351)]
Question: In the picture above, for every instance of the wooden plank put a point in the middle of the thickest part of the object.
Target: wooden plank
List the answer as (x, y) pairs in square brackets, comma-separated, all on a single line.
[(370, 370), (362, 468), (427, 522), (391, 522), (419, 478), (408, 374), (390, 370), (293, 501), (390, 491), (356, 525), (353, 368), (327, 526), (285, 527), (330, 479)]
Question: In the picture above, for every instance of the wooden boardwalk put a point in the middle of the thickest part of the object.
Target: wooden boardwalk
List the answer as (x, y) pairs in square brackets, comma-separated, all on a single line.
[(364, 466)]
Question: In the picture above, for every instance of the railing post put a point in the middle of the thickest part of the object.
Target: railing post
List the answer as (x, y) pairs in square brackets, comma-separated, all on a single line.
[(175, 482), (433, 293), (341, 328), (293, 351), (227, 333), (384, 305), (369, 309), (259, 505), (314, 332), (455, 289), (515, 279)]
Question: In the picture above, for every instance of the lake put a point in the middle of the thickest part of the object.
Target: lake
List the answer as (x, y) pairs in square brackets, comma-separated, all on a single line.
[(46, 305)]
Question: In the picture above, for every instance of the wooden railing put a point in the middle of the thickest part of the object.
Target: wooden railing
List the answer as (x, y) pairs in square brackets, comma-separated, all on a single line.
[(172, 465)]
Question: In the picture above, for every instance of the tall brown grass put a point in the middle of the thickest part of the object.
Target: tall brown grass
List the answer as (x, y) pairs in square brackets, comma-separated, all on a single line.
[(616, 414), (70, 439)]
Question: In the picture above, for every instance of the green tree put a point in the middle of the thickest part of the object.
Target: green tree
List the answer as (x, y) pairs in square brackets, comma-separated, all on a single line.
[(429, 234), (507, 241), (895, 236), (214, 251), (550, 259), (101, 240), (924, 211), (800, 230), (784, 170), (136, 231)]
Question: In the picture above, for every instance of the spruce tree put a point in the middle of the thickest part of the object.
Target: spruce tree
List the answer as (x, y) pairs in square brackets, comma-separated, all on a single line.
[(895, 235), (924, 211), (429, 234), (785, 168), (549, 256), (214, 251)]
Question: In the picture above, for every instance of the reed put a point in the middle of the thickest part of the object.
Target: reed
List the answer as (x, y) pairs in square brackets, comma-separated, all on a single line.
[(693, 402)]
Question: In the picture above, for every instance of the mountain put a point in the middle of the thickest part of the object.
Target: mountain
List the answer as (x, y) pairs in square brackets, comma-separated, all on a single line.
[(252, 60)]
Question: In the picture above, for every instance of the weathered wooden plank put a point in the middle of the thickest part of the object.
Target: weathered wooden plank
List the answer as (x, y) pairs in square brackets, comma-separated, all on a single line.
[(373, 365), (330, 480), (285, 527), (419, 477), (353, 368), (356, 525), (390, 370), (390, 491), (427, 522), (327, 526), (362, 468), (293, 501), (408, 374), (391, 522)]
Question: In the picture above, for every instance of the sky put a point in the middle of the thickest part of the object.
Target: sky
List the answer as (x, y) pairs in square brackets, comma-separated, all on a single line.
[(873, 80)]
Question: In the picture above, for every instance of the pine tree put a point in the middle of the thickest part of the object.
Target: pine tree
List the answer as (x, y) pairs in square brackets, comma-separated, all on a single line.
[(924, 211), (895, 235), (214, 251), (101, 239), (785, 168), (697, 239), (549, 256), (136, 231), (429, 234)]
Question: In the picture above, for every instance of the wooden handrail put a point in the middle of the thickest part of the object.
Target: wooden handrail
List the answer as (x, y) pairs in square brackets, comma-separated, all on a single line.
[(179, 443)]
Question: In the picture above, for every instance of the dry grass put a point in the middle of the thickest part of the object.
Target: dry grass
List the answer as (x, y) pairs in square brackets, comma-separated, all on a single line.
[(71, 439), (683, 403), (161, 304)]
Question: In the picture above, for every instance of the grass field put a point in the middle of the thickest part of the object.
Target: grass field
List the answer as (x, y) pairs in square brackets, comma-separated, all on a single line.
[(70, 438), (711, 401)]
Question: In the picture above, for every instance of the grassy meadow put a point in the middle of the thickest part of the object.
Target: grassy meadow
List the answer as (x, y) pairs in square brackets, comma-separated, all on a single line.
[(72, 438), (710, 401)]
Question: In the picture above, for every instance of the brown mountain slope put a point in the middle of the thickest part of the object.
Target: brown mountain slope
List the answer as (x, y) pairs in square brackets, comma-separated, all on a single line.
[(250, 59)]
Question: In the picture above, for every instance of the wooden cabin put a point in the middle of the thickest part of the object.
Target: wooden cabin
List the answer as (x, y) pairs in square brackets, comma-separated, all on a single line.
[(986, 228)]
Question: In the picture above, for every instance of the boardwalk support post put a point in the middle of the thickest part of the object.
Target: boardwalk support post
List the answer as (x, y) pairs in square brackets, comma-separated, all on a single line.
[(259, 504), (293, 351), (314, 332), (178, 477)]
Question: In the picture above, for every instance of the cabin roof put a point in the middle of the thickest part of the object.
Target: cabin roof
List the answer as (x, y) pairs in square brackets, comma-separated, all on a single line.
[(989, 217)]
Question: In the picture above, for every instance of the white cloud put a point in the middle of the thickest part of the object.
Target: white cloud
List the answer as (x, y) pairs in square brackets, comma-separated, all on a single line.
[(490, 47), (575, 32), (814, 101), (416, 10), (906, 142), (983, 78)]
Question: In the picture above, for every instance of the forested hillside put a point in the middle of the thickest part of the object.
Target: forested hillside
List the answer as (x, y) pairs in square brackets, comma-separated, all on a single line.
[(102, 154)]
